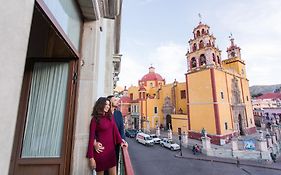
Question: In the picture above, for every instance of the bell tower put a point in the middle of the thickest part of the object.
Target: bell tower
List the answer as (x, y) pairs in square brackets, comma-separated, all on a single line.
[(202, 51), (234, 61)]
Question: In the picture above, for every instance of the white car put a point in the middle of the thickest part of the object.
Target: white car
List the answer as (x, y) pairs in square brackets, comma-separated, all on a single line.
[(165, 142), (144, 139), (155, 138)]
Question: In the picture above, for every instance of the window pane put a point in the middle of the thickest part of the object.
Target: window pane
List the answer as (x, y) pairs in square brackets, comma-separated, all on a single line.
[(67, 14), (46, 108)]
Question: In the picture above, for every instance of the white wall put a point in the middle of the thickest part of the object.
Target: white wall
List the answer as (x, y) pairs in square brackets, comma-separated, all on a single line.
[(15, 22)]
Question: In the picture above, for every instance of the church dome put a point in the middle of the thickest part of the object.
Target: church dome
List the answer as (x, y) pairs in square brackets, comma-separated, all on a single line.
[(125, 99), (152, 76)]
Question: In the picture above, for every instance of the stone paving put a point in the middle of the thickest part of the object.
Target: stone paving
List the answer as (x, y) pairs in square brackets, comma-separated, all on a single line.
[(187, 154)]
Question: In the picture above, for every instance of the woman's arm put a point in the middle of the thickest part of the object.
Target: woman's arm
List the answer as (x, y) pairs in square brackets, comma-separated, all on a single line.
[(90, 152)]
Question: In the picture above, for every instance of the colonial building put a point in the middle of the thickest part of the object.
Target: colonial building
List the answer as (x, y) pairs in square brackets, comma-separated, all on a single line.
[(268, 100), (218, 97), (58, 58), (153, 103)]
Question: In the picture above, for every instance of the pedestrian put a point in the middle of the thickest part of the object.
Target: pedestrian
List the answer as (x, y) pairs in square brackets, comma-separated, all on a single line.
[(237, 162), (273, 157), (103, 130)]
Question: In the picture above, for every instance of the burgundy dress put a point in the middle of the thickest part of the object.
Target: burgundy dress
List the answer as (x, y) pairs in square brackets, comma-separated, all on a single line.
[(106, 133)]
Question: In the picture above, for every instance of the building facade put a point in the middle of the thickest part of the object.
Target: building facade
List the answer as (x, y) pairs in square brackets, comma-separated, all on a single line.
[(153, 103), (268, 100), (59, 56), (218, 97)]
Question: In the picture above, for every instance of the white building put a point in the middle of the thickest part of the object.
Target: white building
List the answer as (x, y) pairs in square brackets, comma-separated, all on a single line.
[(57, 58), (268, 100)]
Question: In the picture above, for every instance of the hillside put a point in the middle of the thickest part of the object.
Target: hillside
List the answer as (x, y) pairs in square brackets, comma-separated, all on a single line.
[(263, 89)]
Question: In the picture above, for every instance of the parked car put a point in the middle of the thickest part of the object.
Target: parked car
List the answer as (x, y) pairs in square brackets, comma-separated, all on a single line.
[(155, 138), (131, 133), (144, 139), (165, 142)]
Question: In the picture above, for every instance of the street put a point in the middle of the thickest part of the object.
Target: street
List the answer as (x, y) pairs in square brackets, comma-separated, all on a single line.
[(157, 160)]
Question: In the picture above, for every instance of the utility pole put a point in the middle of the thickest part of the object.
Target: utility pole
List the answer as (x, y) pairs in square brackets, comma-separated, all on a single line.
[(179, 133)]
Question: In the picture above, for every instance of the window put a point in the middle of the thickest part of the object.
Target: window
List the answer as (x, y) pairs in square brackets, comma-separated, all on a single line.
[(222, 95), (194, 48), (202, 60), (43, 133), (214, 58), (247, 98), (131, 96), (225, 126), (218, 60), (201, 44), (129, 109), (193, 62), (198, 33), (183, 95), (155, 110)]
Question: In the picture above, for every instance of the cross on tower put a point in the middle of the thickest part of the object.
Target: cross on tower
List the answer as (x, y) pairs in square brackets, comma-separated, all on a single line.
[(230, 36), (200, 17)]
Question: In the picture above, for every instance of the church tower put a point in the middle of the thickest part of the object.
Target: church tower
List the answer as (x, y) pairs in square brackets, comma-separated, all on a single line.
[(202, 52), (218, 96), (234, 61)]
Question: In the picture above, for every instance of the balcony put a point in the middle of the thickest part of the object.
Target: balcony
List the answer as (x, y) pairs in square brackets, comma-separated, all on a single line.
[(124, 164)]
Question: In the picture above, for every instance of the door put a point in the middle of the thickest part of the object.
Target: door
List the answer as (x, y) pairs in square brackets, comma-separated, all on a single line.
[(169, 121), (241, 125), (43, 139)]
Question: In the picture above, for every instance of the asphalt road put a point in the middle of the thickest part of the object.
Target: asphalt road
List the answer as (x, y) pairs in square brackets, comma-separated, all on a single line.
[(157, 160)]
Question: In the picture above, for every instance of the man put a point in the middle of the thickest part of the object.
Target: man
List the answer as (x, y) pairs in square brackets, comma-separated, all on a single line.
[(117, 115), (119, 123)]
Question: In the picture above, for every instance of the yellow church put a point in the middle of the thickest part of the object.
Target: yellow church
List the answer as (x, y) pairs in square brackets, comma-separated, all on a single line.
[(215, 96)]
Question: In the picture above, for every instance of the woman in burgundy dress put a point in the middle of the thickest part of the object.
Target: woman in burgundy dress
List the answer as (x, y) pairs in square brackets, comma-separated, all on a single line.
[(103, 130)]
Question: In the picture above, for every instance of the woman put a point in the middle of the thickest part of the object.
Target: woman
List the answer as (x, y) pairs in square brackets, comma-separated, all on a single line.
[(103, 130)]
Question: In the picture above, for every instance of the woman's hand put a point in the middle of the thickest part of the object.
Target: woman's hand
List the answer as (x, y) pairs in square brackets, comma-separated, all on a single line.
[(98, 147), (124, 143), (92, 163)]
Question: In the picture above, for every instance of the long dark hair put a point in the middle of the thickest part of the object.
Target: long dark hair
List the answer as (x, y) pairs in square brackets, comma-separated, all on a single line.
[(98, 109)]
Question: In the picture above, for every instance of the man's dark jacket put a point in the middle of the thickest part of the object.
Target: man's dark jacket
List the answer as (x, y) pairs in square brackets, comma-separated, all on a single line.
[(119, 123)]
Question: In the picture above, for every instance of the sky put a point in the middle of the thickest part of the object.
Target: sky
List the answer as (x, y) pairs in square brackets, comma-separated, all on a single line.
[(156, 32)]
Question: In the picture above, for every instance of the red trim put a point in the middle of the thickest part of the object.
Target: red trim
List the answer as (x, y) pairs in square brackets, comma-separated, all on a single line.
[(215, 101), (127, 162), (215, 139), (251, 130), (187, 104), (56, 25)]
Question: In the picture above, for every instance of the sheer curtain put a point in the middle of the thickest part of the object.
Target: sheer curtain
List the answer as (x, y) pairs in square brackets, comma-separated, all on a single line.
[(46, 108)]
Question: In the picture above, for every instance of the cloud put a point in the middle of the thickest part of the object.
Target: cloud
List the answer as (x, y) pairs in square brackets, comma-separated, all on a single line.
[(168, 59)]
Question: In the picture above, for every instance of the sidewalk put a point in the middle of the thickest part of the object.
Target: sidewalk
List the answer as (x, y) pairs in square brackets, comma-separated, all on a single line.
[(187, 154)]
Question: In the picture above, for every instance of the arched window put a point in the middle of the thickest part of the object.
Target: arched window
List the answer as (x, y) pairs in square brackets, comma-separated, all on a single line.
[(201, 44), (214, 58), (198, 33), (193, 62), (218, 59), (202, 60), (209, 43), (203, 31), (194, 47)]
